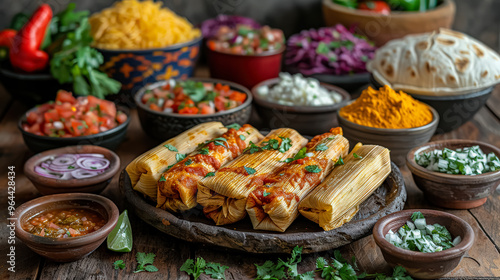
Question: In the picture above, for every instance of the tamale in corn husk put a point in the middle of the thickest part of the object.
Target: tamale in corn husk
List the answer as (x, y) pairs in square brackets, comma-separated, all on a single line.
[(178, 186), (224, 195), (336, 200), (146, 169), (274, 205)]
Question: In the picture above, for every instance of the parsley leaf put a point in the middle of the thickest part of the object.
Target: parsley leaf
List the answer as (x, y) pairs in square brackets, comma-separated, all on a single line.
[(340, 161), (234, 125), (204, 151), (180, 157), (271, 144), (215, 270), (249, 170), (119, 264), (188, 162), (252, 148), (286, 144), (321, 147), (313, 169), (300, 155), (357, 156), (210, 174), (145, 262), (171, 148)]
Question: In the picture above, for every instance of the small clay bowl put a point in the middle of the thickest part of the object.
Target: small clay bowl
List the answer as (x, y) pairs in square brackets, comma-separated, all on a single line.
[(424, 265), (94, 184), (453, 191), (71, 248), (308, 120), (398, 141)]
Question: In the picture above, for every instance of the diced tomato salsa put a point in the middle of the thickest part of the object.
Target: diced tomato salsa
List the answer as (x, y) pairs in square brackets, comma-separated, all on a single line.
[(191, 97), (246, 40), (63, 223), (70, 117)]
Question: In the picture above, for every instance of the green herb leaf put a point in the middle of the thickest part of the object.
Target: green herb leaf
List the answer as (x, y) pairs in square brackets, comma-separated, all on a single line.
[(180, 157), (119, 264), (313, 169), (162, 178), (242, 137), (340, 161), (234, 125), (249, 170), (144, 260), (195, 90), (71, 167), (271, 144), (300, 155), (210, 174), (252, 148), (204, 151), (357, 156), (188, 162), (265, 193), (171, 148), (151, 268), (215, 270), (417, 215), (192, 268), (321, 147), (286, 144), (322, 48)]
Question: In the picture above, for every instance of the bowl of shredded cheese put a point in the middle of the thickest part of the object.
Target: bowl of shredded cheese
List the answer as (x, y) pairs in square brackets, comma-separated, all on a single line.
[(143, 42), (300, 103)]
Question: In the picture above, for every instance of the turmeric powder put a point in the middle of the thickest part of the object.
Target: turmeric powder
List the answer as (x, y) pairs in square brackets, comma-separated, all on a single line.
[(386, 108)]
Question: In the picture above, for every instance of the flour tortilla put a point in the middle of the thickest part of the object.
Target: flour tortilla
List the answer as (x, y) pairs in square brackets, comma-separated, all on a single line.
[(441, 63)]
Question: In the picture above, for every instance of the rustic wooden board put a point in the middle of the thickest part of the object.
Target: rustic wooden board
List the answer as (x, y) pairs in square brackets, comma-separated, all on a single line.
[(493, 102), (194, 227)]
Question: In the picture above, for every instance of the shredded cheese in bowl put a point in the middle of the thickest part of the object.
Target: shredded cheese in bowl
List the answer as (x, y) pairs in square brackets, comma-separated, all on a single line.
[(299, 91)]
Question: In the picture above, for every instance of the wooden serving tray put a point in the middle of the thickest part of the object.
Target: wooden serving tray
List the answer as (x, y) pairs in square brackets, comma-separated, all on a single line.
[(193, 226)]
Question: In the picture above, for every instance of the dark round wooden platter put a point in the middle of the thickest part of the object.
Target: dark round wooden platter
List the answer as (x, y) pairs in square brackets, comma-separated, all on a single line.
[(193, 226)]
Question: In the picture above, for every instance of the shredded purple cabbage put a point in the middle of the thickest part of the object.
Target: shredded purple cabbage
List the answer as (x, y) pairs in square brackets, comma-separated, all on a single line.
[(329, 50), (210, 27)]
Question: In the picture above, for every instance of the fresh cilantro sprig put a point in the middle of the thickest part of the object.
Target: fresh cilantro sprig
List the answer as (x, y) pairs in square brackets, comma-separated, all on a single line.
[(119, 264), (252, 148), (286, 144), (357, 156), (214, 270), (234, 126), (313, 169), (300, 155), (145, 262), (321, 147), (249, 170), (340, 161), (171, 148)]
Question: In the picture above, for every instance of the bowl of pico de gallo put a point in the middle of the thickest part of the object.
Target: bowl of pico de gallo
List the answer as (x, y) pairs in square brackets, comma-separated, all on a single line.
[(70, 121), (169, 107)]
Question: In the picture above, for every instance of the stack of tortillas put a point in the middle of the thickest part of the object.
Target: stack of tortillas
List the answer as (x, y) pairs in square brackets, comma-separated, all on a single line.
[(439, 63)]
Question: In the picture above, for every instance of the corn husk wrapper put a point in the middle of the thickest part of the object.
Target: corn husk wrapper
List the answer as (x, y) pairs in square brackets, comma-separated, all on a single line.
[(178, 186), (146, 169), (279, 207), (224, 195), (336, 200)]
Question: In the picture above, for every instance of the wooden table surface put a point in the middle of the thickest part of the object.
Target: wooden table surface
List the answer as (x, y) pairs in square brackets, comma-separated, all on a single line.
[(482, 261)]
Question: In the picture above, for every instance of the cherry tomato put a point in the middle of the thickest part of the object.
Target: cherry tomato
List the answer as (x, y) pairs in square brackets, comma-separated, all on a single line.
[(380, 7)]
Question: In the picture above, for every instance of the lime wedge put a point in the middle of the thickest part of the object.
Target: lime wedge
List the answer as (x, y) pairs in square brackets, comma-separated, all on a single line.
[(120, 238)]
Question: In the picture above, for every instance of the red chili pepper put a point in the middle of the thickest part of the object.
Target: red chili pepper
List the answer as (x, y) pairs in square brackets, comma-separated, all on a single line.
[(25, 53), (7, 37)]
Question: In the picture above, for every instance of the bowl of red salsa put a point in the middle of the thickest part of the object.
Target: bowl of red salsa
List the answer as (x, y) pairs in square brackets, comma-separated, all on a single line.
[(65, 227), (72, 169), (71, 120), (168, 108), (245, 55)]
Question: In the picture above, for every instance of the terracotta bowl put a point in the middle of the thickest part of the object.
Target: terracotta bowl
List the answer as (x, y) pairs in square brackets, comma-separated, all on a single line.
[(162, 126), (309, 120), (72, 248), (398, 141), (424, 265), (95, 184), (247, 70), (453, 191), (110, 139), (383, 28)]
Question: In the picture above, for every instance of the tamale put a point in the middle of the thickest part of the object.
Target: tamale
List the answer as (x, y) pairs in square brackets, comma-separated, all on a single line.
[(336, 200), (145, 170), (177, 187), (224, 195), (274, 205)]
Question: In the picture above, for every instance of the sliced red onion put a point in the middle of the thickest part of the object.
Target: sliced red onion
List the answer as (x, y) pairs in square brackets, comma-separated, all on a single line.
[(47, 173), (45, 164), (62, 168), (82, 173), (91, 163), (64, 160), (90, 155)]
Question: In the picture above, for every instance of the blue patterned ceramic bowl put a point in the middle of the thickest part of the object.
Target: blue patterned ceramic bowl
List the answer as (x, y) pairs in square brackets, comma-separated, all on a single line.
[(137, 68)]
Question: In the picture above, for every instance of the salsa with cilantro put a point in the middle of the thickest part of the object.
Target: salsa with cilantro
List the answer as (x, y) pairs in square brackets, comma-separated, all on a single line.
[(246, 40), (193, 97), (71, 117), (64, 223)]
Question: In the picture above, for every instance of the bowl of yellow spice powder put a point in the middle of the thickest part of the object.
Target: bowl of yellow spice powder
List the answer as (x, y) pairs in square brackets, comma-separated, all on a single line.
[(388, 118)]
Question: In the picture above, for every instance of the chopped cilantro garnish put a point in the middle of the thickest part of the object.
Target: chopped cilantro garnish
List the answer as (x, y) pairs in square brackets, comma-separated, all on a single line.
[(313, 169)]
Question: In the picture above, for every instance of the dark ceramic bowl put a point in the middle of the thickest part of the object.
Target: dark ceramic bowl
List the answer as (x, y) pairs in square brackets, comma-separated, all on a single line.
[(424, 265), (95, 184), (109, 139), (29, 89), (308, 120), (72, 248), (137, 68), (162, 126), (398, 141), (453, 191), (453, 110), (350, 82), (246, 70)]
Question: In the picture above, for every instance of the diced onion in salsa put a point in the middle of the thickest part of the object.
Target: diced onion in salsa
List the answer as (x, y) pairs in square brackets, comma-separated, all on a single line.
[(64, 223), (71, 117), (466, 161), (192, 97), (246, 40)]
